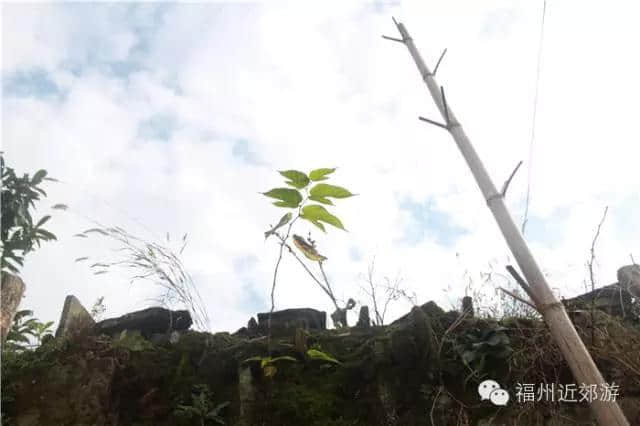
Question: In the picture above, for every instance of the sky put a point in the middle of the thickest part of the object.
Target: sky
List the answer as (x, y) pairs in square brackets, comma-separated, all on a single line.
[(160, 117)]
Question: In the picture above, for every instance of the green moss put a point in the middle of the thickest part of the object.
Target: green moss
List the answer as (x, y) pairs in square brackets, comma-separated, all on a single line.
[(309, 395)]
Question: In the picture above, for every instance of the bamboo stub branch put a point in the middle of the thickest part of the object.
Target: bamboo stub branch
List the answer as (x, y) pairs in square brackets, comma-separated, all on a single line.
[(518, 298)]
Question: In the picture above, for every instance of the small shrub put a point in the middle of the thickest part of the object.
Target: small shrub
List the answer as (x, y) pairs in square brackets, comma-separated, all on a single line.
[(202, 407), (478, 348)]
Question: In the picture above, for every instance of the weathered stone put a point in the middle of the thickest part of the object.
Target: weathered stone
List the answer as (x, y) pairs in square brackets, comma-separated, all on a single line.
[(413, 341), (159, 339), (467, 306), (363, 318), (339, 316), (379, 382), (252, 325), (165, 338), (11, 291), (385, 396), (82, 387), (74, 317), (148, 321), (429, 308), (432, 309), (629, 279), (300, 341), (615, 299), (246, 396), (612, 299), (290, 319)]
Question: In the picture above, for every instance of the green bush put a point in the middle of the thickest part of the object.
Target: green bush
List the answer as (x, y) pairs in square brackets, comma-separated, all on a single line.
[(480, 347), (20, 233)]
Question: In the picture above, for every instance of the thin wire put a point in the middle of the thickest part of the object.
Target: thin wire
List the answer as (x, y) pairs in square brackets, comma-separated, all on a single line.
[(533, 120)]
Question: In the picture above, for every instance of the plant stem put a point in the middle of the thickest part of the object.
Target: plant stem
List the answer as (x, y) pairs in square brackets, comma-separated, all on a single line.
[(329, 290)]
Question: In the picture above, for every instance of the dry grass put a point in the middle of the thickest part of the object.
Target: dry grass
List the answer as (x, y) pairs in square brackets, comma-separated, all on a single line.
[(155, 263)]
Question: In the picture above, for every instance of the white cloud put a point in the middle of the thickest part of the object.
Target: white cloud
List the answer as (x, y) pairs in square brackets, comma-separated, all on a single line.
[(310, 87)]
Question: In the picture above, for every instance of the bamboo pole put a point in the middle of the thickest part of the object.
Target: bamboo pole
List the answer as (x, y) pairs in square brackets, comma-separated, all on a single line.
[(562, 329)]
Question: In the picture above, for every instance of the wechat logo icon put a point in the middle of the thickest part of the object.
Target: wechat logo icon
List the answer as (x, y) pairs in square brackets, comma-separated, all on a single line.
[(490, 389)]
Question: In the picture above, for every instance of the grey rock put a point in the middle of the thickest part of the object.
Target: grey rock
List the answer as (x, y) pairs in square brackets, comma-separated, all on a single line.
[(74, 317), (629, 279), (467, 306), (612, 299), (11, 292), (413, 341), (339, 316), (363, 318), (159, 339), (429, 308), (290, 319), (252, 325), (148, 321)]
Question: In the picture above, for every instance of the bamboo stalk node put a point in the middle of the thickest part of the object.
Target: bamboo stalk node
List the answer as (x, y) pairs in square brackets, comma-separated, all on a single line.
[(494, 197), (544, 307)]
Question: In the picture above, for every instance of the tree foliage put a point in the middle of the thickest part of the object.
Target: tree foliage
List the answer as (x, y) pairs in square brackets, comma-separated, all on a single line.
[(25, 328), (20, 231)]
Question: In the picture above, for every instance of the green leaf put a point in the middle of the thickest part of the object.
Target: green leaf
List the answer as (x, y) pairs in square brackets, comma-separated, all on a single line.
[(283, 221), (321, 200), (321, 356), (38, 177), (320, 174), (42, 221), (46, 235), (315, 214), (326, 190), (290, 198), (284, 358), (253, 359), (296, 178), (96, 230), (321, 191)]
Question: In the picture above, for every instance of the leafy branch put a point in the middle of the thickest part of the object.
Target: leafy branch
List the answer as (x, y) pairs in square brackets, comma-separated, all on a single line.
[(24, 327), (291, 197), (20, 232)]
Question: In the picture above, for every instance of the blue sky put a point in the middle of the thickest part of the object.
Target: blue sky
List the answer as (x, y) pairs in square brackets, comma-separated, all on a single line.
[(173, 117)]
